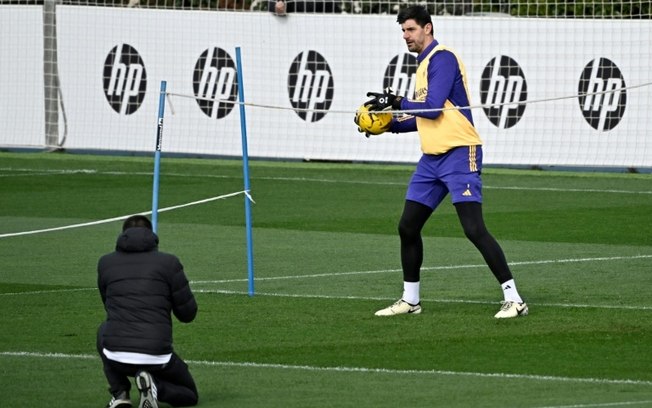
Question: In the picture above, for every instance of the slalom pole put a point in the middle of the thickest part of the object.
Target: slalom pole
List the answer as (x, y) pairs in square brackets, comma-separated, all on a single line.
[(245, 169), (157, 155)]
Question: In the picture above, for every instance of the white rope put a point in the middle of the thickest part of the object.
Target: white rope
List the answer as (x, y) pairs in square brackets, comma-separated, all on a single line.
[(256, 105), (122, 217)]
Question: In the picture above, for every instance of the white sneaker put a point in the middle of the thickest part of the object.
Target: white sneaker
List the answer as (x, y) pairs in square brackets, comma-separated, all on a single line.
[(511, 309), (400, 307), (147, 388)]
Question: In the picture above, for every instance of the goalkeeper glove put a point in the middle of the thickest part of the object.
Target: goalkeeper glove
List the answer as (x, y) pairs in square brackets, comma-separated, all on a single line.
[(385, 100)]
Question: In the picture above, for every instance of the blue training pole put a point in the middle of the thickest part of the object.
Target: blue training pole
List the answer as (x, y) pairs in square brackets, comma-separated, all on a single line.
[(157, 155), (245, 169)]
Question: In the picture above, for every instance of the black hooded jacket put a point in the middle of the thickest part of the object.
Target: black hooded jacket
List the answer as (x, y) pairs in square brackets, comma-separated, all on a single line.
[(140, 288)]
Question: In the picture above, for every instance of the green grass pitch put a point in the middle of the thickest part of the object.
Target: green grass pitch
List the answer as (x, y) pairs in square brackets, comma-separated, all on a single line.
[(325, 258)]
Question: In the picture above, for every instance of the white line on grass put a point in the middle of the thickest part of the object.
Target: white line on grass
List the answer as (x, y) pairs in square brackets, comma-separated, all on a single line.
[(431, 268), (90, 171), (44, 292), (463, 301), (44, 172), (308, 296), (321, 180), (534, 377), (568, 190), (604, 404), (333, 274), (517, 188), (449, 267)]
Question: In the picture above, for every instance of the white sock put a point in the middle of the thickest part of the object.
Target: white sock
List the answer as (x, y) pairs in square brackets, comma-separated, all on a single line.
[(411, 292), (510, 293)]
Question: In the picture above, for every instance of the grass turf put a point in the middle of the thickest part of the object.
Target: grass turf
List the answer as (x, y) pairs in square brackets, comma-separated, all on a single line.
[(326, 257)]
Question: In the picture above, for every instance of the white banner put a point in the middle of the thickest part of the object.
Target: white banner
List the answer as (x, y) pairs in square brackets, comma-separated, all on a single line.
[(305, 75), (22, 108)]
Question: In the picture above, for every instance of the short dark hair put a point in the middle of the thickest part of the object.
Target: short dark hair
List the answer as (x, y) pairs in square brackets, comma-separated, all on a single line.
[(137, 221), (419, 14)]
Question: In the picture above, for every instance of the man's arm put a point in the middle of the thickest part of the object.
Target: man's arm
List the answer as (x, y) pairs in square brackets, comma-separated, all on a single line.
[(101, 286), (403, 124), (184, 305), (442, 71)]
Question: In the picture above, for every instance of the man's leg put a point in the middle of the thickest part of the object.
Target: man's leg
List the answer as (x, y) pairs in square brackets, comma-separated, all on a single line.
[(470, 215), (412, 220), (410, 225), (424, 193), (175, 384), (118, 379)]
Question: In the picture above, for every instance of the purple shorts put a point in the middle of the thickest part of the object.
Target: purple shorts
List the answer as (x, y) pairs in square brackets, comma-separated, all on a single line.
[(456, 171)]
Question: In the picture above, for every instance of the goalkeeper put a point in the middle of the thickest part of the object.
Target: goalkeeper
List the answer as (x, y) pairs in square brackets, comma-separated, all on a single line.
[(451, 162)]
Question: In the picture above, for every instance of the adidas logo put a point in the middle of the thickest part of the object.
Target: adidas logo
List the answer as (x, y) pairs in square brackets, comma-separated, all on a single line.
[(467, 193)]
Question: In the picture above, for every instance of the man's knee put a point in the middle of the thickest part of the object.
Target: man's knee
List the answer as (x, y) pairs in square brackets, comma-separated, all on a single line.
[(474, 231), (412, 220), (408, 230), (470, 215)]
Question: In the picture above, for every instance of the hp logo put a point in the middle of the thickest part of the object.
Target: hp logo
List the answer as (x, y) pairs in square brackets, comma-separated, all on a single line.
[(601, 97), (400, 75), (310, 85), (125, 79), (214, 80), (502, 86)]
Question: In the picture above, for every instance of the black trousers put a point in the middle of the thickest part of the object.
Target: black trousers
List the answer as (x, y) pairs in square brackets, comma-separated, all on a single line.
[(174, 383), (413, 219)]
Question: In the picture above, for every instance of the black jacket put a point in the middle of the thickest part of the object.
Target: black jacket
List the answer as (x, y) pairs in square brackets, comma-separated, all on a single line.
[(140, 288)]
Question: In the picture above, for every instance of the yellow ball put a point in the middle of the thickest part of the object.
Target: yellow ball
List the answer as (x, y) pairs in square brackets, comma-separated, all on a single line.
[(373, 123)]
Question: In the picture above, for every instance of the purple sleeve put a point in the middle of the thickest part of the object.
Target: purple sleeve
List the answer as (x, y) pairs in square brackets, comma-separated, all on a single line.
[(442, 71), (404, 124)]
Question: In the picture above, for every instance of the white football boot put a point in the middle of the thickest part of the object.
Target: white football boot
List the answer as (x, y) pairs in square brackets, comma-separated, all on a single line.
[(511, 309), (400, 307)]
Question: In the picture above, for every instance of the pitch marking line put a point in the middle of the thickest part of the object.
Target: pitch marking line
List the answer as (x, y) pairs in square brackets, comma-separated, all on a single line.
[(475, 302), (433, 268), (247, 193), (334, 274), (517, 188), (605, 404), (45, 292), (359, 369), (308, 296), (311, 180)]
